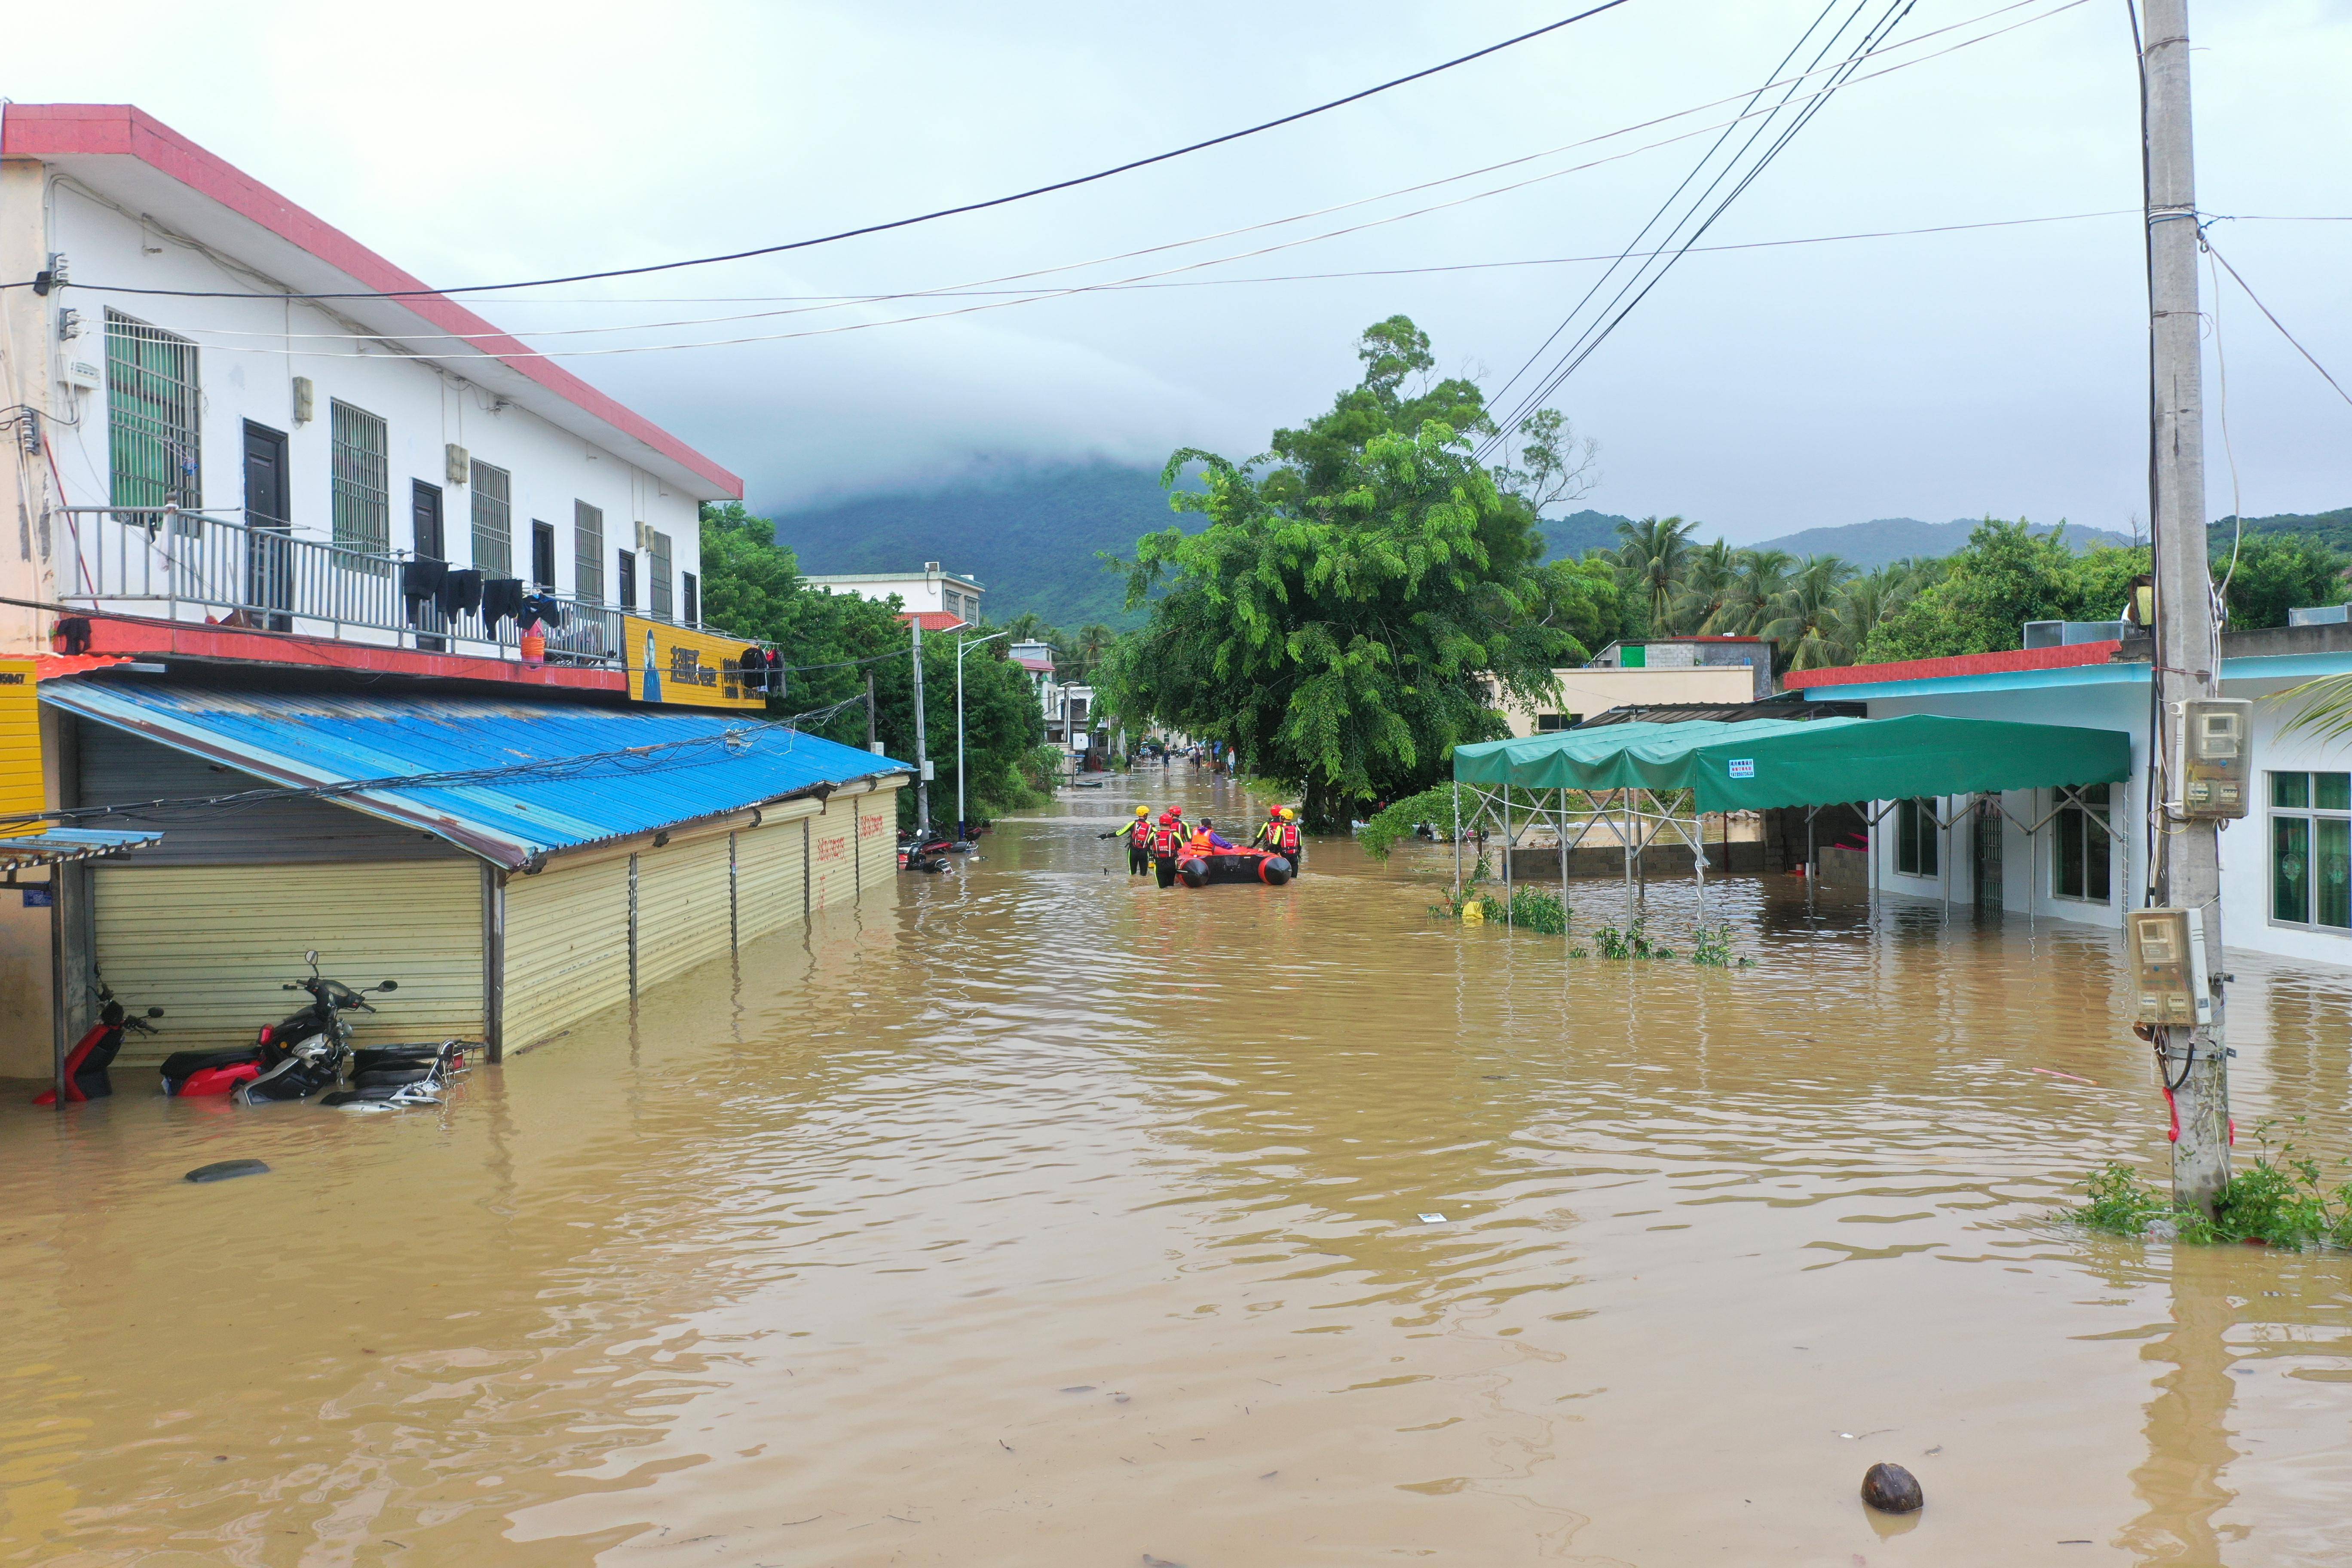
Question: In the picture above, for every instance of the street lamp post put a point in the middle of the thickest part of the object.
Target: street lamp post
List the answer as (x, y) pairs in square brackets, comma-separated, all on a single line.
[(963, 829)]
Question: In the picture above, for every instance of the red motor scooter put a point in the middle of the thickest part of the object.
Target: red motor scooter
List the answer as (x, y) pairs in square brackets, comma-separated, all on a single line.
[(95, 1052)]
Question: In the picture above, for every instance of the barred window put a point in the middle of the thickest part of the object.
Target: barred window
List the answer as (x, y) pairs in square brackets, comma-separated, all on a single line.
[(2084, 867), (659, 585), (358, 448), (152, 416), (587, 553), (493, 520)]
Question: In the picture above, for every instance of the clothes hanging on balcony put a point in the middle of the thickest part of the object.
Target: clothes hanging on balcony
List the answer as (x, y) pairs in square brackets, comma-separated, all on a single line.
[(423, 578), (545, 608), (461, 593), (501, 599)]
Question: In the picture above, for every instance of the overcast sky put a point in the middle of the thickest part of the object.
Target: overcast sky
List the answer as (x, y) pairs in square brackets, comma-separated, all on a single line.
[(1998, 370)]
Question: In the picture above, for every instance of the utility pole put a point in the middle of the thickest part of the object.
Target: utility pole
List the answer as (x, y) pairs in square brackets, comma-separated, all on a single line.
[(964, 646), (873, 742), (922, 752), (2187, 873)]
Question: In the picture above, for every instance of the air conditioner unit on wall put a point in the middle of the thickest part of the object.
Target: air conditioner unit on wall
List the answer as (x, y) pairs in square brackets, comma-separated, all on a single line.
[(459, 465)]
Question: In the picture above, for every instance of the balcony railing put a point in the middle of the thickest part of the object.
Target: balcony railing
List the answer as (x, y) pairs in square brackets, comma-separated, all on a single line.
[(220, 567)]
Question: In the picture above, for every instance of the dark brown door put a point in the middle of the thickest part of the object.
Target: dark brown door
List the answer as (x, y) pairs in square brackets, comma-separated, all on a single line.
[(424, 528), (543, 555), (269, 520)]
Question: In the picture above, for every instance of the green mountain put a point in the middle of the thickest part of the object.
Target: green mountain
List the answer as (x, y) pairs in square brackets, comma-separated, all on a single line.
[(1030, 537), (1869, 545), (2329, 527)]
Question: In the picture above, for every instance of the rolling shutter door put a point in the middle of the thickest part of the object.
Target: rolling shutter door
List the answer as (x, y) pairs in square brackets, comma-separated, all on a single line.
[(681, 907), (878, 839), (212, 944), (567, 948), (768, 878), (833, 877)]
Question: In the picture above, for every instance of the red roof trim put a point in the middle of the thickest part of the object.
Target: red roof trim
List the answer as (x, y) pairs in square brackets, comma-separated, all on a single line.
[(2066, 658), (122, 130), (137, 635)]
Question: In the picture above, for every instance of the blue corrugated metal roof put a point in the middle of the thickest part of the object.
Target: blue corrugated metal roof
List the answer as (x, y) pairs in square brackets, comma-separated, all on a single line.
[(61, 844), (704, 763)]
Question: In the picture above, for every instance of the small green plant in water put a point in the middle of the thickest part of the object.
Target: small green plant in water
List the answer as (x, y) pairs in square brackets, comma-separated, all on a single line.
[(1544, 913), (1713, 949), (1633, 941), (2279, 1201)]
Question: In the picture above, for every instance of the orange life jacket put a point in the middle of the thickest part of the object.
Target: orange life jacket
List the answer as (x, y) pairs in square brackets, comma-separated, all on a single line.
[(1200, 843)]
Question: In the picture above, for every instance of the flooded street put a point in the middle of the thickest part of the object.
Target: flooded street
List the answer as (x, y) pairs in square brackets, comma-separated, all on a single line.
[(1041, 1217)]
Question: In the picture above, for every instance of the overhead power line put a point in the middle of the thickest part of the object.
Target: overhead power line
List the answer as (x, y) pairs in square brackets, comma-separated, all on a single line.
[(2266, 309), (932, 216), (1841, 80), (957, 289)]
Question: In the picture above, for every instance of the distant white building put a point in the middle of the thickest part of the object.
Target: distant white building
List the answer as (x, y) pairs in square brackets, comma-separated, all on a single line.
[(939, 596), (1036, 660)]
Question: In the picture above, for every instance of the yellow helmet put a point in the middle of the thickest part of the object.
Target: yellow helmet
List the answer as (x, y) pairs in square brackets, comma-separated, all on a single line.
[(1143, 811), (1288, 814)]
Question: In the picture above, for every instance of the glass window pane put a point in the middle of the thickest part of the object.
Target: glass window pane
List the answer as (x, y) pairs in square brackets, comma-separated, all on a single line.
[(2332, 792), (2332, 866), (2098, 857), (493, 520), (2069, 866), (2291, 789), (2291, 869)]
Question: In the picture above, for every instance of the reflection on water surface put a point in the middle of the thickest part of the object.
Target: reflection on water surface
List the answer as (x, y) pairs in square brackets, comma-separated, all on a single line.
[(1045, 1217)]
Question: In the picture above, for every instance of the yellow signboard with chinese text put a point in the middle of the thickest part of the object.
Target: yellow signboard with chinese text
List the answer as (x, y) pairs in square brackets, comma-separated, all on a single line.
[(670, 664), (21, 788)]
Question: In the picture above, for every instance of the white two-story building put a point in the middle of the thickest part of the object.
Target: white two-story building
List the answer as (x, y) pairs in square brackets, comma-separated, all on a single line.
[(224, 409)]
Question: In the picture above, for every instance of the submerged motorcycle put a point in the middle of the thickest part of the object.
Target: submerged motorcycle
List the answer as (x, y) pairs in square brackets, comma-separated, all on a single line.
[(310, 1050), (86, 1064)]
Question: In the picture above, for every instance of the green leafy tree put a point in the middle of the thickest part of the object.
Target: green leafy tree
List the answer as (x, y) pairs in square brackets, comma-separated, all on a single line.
[(753, 587), (1358, 596), (1709, 574), (2277, 572), (2007, 575)]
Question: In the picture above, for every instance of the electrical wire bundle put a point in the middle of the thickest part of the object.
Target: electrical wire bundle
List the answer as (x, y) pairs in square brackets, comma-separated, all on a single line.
[(1728, 170)]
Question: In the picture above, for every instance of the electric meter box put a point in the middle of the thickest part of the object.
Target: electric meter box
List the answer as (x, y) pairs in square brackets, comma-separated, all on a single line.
[(2213, 757), (2168, 958)]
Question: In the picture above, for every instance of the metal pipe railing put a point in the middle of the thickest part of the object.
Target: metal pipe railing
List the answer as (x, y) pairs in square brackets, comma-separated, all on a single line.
[(262, 575)]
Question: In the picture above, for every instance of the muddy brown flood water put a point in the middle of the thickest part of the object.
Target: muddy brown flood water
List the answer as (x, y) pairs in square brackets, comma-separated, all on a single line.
[(1039, 1217)]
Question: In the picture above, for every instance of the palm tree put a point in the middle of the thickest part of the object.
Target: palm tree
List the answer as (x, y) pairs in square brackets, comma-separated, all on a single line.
[(1650, 562), (1760, 578), (1094, 640), (1806, 616), (1706, 580)]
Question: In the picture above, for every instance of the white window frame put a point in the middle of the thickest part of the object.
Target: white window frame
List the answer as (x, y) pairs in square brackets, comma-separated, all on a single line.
[(2070, 800)]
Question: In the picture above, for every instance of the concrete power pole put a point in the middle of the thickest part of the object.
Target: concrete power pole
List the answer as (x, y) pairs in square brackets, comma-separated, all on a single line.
[(2186, 872)]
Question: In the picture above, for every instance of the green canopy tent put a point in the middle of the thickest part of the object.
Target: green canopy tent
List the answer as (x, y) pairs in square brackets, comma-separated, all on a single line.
[(1764, 764)]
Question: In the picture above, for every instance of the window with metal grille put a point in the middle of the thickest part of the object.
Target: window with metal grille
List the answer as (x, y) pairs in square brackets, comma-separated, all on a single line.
[(358, 447), (658, 597), (152, 416), (588, 553), (690, 592), (2083, 869), (493, 520)]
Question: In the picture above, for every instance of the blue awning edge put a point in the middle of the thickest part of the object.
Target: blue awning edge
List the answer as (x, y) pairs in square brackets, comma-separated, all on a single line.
[(531, 779)]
